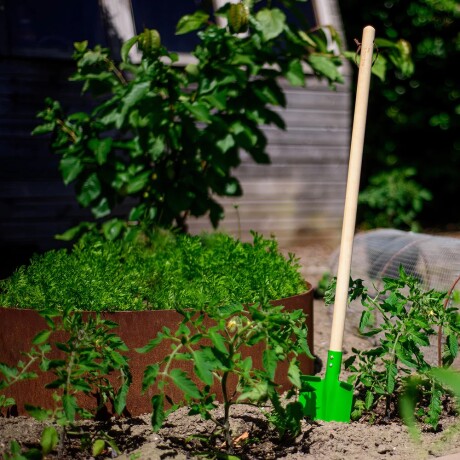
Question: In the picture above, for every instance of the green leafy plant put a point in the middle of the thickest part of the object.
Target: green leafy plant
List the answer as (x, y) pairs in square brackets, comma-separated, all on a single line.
[(166, 272), (393, 199), (323, 285), (448, 379), (221, 355), (88, 358), (10, 376), (164, 139), (402, 317)]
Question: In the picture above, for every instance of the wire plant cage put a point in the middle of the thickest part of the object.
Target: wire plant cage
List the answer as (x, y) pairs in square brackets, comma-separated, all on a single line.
[(433, 260)]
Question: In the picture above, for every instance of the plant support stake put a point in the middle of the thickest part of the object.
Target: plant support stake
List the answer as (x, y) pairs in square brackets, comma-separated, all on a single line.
[(329, 399)]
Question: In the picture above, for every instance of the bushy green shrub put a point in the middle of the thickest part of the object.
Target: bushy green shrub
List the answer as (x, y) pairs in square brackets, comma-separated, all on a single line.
[(170, 271), (393, 199), (164, 139)]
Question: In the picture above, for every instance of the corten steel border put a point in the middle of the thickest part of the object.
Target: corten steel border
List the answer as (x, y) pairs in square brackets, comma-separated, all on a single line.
[(136, 329)]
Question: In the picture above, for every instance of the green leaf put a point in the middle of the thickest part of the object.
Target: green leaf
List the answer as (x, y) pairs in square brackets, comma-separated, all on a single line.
[(420, 339), (41, 337), (218, 340), (150, 375), (49, 439), (199, 111), (271, 22), (448, 378), (81, 47), (246, 364), (203, 366), (90, 190), (101, 148), (369, 400), (157, 148), (136, 94), (217, 99), (70, 167), (435, 406), (120, 399), (392, 372), (102, 209), (138, 182), (158, 412), (191, 22), (184, 383), (37, 412), (294, 374), (74, 232), (44, 128), (295, 73), (31, 454), (324, 66), (233, 187), (452, 344), (228, 310), (98, 447), (69, 404), (244, 135), (151, 345), (365, 320), (379, 68), (126, 47), (112, 229), (269, 361), (226, 143), (256, 393), (7, 371)]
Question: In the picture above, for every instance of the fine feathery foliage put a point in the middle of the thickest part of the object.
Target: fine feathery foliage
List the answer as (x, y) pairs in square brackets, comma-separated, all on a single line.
[(170, 271)]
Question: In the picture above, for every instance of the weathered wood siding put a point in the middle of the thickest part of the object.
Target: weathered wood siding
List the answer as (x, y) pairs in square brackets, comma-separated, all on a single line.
[(34, 203), (300, 195)]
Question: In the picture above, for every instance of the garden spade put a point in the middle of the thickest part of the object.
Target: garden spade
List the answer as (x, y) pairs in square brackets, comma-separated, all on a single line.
[(330, 399)]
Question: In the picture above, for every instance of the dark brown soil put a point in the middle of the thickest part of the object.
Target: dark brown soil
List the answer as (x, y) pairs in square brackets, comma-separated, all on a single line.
[(183, 436)]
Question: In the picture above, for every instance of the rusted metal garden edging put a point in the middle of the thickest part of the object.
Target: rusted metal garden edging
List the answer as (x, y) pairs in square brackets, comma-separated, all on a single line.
[(136, 328)]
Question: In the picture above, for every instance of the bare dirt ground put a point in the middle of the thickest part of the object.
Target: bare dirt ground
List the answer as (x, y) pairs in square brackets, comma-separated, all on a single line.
[(181, 437)]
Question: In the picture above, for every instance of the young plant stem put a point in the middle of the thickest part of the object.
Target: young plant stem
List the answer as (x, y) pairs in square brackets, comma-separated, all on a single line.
[(227, 405), (67, 130), (116, 72), (18, 377)]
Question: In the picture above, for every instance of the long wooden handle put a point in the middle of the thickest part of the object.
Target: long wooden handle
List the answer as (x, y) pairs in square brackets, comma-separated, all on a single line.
[(351, 197)]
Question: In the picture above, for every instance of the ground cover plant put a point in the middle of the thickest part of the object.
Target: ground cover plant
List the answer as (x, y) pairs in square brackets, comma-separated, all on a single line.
[(166, 271)]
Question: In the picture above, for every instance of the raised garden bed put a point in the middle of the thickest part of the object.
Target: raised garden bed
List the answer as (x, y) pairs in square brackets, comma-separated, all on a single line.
[(135, 328)]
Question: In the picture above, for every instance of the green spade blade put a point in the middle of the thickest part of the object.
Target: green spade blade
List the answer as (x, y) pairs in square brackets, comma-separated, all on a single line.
[(327, 399)]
